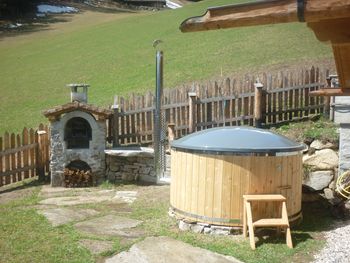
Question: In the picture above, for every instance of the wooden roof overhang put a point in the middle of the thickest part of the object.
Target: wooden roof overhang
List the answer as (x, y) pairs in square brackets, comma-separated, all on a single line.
[(98, 112), (329, 19)]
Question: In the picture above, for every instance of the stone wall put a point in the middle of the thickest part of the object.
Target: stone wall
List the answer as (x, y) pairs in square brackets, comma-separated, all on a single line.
[(134, 168), (321, 170), (133, 164)]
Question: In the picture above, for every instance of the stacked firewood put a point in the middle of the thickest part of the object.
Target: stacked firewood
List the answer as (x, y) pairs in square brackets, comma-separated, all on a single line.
[(77, 178)]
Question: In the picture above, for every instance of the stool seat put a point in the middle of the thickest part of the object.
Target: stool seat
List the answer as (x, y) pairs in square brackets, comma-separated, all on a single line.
[(281, 222), (264, 197), (266, 222)]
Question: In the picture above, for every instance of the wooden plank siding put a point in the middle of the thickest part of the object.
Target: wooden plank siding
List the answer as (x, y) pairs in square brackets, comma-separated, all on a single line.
[(228, 102), (19, 155), (212, 190)]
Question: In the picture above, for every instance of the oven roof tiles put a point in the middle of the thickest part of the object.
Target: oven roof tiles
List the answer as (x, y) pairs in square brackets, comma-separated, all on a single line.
[(72, 106)]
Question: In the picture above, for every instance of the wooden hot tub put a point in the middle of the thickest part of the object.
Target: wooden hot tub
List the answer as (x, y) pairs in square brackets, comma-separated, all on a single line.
[(214, 168)]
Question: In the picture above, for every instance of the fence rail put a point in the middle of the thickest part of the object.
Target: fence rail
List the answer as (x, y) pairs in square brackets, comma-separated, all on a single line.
[(24, 155), (230, 102)]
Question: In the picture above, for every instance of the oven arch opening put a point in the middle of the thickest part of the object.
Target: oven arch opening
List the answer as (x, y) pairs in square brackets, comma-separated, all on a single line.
[(77, 133)]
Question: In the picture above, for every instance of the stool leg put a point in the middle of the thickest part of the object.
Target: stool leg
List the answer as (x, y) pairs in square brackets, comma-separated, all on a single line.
[(289, 238), (285, 218), (250, 226), (244, 219)]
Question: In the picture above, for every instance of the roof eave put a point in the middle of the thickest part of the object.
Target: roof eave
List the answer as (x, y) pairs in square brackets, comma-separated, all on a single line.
[(238, 15), (72, 106)]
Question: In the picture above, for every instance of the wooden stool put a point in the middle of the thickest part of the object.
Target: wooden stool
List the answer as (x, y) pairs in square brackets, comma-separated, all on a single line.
[(266, 222)]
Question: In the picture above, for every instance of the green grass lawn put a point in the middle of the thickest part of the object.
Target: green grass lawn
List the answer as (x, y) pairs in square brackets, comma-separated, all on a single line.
[(26, 236), (116, 57)]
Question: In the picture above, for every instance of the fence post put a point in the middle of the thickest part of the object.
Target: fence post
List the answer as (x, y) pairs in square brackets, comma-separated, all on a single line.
[(40, 163), (258, 104), (192, 111), (115, 122), (327, 99), (327, 106), (171, 133)]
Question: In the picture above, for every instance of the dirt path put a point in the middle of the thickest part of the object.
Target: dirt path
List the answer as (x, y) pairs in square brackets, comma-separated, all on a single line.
[(8, 195)]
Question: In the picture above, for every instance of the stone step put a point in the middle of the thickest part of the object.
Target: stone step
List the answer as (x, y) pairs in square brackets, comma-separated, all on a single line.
[(165, 249)]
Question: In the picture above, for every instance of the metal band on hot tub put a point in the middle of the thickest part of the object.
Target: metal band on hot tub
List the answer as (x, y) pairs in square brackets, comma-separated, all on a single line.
[(241, 153), (224, 220)]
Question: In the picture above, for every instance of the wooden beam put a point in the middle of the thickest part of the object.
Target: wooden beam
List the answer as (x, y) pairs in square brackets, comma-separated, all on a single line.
[(247, 14), (330, 92), (329, 19), (342, 61), (334, 30), (337, 32), (267, 12), (317, 10)]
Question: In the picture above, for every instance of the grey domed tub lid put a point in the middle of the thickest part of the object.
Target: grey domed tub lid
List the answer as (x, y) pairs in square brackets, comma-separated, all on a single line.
[(245, 140)]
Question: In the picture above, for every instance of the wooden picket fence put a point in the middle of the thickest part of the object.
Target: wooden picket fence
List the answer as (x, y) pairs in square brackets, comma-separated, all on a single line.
[(230, 102), (24, 155)]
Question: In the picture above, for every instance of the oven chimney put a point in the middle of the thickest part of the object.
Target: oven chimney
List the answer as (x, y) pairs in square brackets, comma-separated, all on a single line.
[(78, 92)]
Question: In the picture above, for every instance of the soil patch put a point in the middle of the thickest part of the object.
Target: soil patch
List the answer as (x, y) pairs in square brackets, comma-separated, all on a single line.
[(96, 246), (154, 193), (12, 192)]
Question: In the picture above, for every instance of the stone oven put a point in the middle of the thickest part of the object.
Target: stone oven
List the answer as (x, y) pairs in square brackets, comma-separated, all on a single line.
[(78, 138)]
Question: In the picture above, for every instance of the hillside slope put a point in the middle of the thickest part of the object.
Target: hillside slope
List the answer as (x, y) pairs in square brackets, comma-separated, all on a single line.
[(116, 56)]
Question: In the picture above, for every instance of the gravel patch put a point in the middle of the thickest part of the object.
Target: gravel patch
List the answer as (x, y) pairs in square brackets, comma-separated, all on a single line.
[(337, 249)]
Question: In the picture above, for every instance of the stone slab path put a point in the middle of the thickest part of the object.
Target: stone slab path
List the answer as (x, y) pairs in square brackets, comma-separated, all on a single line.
[(59, 206), (61, 216), (62, 197), (75, 200), (48, 191), (100, 226), (165, 250), (109, 225)]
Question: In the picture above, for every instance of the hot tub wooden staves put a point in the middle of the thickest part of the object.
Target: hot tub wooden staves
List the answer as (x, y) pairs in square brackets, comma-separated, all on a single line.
[(208, 188)]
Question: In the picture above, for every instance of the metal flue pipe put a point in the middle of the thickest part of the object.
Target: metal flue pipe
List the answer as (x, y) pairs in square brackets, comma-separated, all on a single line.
[(158, 134), (159, 79)]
